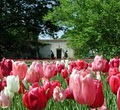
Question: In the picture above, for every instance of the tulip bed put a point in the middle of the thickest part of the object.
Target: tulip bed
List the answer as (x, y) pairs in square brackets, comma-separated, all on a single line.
[(60, 85)]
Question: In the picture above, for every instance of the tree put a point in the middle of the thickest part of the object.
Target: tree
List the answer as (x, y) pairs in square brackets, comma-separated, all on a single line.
[(91, 25), (21, 22)]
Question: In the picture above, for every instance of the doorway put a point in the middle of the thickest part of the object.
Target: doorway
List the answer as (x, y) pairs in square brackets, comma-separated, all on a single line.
[(59, 53)]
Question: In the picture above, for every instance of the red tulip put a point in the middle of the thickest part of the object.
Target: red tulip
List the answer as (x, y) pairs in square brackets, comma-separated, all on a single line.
[(49, 87), (118, 98), (6, 67), (35, 99), (114, 62), (113, 71), (81, 64), (106, 66), (114, 83), (99, 99), (68, 93), (64, 73)]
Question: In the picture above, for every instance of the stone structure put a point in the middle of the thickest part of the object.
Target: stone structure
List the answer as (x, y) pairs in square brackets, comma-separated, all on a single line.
[(56, 48)]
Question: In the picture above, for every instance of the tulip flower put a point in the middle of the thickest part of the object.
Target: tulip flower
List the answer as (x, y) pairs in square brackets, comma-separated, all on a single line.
[(19, 68), (4, 100), (114, 62), (49, 70), (5, 67), (13, 84), (113, 71), (106, 66), (114, 83), (35, 99), (98, 63), (118, 98), (83, 87), (99, 99), (58, 94), (8, 93), (81, 64), (68, 93), (34, 72), (64, 73), (49, 87)]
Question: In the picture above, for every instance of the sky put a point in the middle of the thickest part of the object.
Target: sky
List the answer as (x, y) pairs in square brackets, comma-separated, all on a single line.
[(60, 33)]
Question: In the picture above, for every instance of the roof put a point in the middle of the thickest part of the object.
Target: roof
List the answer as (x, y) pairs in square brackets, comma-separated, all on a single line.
[(53, 40)]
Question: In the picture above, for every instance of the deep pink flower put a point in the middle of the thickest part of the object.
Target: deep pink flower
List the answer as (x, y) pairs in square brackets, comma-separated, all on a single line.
[(118, 98), (64, 73), (68, 93), (35, 99), (113, 71), (114, 62), (114, 83), (99, 99), (106, 66), (49, 87), (6, 67)]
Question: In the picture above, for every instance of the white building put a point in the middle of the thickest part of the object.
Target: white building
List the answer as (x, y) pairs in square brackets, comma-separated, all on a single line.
[(57, 46)]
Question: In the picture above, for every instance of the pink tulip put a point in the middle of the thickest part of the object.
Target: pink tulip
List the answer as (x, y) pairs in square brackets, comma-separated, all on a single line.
[(19, 68), (83, 88), (98, 63), (58, 94), (4, 100), (5, 67), (34, 72), (49, 70)]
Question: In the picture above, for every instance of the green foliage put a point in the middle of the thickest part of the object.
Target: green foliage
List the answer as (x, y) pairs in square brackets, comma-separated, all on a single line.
[(90, 25), (20, 24)]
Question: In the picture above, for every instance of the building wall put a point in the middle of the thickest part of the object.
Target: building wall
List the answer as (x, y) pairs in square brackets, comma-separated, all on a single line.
[(54, 46)]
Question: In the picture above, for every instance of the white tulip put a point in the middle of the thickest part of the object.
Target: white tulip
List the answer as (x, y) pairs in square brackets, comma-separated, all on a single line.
[(13, 84)]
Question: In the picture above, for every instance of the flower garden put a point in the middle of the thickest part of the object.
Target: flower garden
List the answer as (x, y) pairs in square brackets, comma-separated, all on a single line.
[(60, 85)]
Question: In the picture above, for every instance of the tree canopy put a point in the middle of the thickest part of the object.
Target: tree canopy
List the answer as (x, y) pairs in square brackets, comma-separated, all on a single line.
[(21, 22), (91, 25)]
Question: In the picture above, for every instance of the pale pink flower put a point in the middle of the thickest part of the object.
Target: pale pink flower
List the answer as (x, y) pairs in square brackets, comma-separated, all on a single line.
[(58, 94), (19, 68)]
